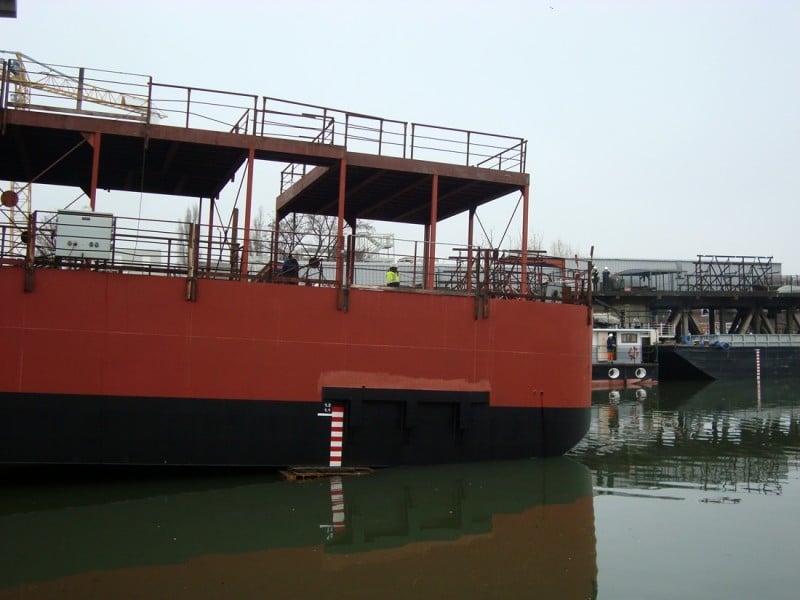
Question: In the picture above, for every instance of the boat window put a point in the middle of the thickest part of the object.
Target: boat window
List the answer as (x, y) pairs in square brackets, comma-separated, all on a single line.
[(628, 338)]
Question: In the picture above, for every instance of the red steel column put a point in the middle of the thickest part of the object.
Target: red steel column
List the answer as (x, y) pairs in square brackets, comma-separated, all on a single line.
[(431, 258), (209, 248), (94, 141), (251, 159), (340, 221), (524, 267), (470, 234)]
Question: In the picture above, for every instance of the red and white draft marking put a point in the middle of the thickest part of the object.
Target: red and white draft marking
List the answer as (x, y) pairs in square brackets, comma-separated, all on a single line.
[(337, 432), (336, 414), (758, 377)]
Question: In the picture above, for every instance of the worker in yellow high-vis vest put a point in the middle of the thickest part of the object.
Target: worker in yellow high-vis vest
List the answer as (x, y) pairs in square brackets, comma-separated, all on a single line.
[(392, 277)]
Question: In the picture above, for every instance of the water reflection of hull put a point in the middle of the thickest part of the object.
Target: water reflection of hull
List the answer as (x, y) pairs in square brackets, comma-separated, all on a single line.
[(730, 394), (615, 396), (489, 530), (719, 434)]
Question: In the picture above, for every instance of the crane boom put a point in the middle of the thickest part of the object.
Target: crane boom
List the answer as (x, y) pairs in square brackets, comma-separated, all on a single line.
[(37, 86), (31, 77)]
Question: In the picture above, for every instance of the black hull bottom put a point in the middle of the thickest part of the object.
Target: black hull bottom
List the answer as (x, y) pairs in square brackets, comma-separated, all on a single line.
[(708, 363), (393, 428)]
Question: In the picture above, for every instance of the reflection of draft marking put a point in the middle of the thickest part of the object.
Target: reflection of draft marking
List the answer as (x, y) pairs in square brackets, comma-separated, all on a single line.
[(338, 522), (337, 504)]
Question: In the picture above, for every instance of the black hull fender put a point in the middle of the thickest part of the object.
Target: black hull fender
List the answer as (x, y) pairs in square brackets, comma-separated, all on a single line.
[(448, 428)]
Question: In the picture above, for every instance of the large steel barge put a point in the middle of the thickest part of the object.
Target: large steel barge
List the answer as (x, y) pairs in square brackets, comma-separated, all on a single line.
[(137, 341), (773, 356)]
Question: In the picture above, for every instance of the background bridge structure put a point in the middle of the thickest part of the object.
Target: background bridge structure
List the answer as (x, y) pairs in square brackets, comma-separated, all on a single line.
[(720, 294)]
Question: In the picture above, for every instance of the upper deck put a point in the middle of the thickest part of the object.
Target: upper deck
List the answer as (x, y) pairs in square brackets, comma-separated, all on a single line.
[(100, 130), (186, 141)]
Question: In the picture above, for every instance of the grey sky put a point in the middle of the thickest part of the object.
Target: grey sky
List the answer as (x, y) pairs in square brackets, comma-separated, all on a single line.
[(657, 129)]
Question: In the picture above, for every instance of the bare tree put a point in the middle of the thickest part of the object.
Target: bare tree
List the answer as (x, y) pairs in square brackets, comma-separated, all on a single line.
[(314, 236), (535, 241), (486, 239), (562, 249), (261, 234), (307, 235)]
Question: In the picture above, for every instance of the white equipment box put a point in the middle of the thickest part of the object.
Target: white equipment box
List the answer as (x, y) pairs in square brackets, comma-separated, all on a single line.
[(84, 235)]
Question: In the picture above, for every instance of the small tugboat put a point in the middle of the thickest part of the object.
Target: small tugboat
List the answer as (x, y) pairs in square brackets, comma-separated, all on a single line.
[(624, 357)]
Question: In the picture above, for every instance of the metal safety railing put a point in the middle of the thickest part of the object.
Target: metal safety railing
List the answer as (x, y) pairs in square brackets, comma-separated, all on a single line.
[(150, 247), (28, 84)]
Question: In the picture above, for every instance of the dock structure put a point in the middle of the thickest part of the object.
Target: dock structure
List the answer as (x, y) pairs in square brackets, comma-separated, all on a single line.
[(317, 472), (723, 294)]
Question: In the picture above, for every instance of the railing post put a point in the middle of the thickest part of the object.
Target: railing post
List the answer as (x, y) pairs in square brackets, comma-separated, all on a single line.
[(255, 114), (234, 254), (350, 260), (188, 105), (328, 128), (263, 112), (30, 253), (414, 267), (4, 95), (169, 257), (79, 94), (149, 104), (191, 261)]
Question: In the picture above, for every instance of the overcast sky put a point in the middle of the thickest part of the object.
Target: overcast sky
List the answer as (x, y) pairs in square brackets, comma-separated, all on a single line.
[(656, 129)]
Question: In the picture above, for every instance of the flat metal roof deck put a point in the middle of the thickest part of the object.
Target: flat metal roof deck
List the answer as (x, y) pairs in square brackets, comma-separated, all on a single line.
[(397, 190), (181, 141)]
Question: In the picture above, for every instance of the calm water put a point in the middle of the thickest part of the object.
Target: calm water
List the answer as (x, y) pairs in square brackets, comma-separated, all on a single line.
[(677, 492)]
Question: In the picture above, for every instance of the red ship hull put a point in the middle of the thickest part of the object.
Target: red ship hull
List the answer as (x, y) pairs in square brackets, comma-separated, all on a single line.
[(110, 368)]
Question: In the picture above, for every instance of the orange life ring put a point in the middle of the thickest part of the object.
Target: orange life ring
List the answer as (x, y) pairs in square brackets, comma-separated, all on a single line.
[(633, 352)]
